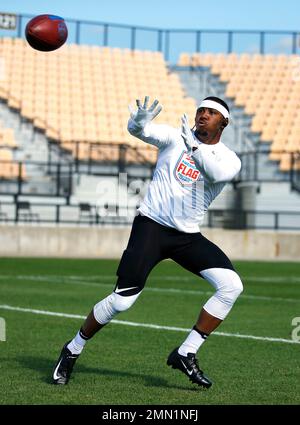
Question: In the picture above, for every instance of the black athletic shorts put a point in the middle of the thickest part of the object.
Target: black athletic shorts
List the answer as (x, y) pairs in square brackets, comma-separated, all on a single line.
[(151, 242)]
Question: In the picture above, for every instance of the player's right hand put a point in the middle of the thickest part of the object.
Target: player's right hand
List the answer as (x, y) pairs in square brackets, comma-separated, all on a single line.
[(143, 114), (187, 135)]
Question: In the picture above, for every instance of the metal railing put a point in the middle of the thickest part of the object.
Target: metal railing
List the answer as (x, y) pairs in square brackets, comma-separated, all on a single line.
[(253, 219), (295, 172), (60, 173), (171, 41), (32, 174), (54, 178), (114, 214), (257, 167), (120, 155)]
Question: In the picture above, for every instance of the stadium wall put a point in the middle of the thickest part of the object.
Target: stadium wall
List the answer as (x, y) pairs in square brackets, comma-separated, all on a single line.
[(109, 242)]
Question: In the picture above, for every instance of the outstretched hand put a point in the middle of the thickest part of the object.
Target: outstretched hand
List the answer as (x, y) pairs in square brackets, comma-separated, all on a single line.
[(144, 114), (187, 135)]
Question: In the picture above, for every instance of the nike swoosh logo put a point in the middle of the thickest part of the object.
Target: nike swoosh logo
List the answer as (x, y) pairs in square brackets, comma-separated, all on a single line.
[(118, 291), (55, 376), (188, 371)]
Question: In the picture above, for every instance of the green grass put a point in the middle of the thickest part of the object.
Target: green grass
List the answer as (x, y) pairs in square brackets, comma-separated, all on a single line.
[(127, 365)]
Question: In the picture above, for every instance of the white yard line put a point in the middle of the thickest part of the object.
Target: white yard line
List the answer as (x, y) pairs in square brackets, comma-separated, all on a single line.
[(270, 279), (76, 280), (145, 325)]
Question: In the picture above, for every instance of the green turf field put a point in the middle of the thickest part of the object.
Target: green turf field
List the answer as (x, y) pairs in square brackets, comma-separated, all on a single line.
[(126, 364)]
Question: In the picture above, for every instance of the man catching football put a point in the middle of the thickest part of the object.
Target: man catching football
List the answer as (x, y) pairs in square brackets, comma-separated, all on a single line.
[(193, 167)]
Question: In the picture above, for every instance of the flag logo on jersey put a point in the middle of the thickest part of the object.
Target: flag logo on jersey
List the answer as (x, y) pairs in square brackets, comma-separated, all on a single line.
[(185, 170)]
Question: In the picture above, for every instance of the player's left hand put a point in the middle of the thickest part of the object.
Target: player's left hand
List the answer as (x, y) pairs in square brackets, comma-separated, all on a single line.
[(144, 113), (187, 135)]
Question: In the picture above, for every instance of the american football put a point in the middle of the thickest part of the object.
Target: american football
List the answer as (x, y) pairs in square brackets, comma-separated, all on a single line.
[(46, 32)]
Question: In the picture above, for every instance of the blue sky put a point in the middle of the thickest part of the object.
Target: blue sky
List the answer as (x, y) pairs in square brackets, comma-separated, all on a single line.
[(236, 14), (185, 14)]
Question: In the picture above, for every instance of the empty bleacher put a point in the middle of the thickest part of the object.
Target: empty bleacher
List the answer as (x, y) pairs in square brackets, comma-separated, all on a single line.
[(81, 94), (267, 87), (78, 96), (9, 168)]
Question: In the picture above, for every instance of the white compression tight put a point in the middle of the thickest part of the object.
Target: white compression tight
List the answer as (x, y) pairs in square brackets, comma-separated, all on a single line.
[(227, 283), (228, 287), (106, 309)]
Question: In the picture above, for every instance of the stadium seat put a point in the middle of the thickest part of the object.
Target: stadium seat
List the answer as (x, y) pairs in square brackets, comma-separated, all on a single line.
[(90, 82), (25, 213), (7, 139), (86, 214), (264, 85)]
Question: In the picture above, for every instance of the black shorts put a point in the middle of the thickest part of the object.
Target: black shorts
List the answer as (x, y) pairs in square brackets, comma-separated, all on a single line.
[(151, 242)]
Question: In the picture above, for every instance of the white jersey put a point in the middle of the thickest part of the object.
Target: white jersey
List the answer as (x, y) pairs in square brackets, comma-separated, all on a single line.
[(183, 187)]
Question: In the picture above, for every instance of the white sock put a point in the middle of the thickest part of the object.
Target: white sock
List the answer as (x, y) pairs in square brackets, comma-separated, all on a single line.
[(77, 344), (192, 343)]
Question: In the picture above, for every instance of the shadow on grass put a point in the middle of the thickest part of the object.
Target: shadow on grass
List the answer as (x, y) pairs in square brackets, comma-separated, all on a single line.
[(44, 367)]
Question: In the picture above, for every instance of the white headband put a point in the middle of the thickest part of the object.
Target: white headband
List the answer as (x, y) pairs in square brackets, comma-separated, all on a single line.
[(214, 105)]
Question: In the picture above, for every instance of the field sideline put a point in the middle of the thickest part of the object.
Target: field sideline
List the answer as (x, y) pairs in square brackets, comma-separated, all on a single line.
[(251, 358)]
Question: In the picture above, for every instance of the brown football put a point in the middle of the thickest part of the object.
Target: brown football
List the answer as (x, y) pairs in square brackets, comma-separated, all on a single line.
[(46, 32)]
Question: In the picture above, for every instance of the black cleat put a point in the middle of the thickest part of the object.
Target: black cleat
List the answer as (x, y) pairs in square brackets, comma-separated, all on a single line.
[(64, 366), (189, 366)]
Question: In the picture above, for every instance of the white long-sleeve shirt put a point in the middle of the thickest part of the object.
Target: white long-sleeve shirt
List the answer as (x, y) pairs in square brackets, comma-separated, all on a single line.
[(183, 187)]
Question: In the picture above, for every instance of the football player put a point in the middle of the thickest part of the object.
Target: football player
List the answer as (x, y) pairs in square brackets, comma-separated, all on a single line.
[(193, 167)]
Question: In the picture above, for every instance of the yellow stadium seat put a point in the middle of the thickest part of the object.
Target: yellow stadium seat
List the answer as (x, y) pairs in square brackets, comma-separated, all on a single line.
[(268, 133), (285, 162), (7, 138), (77, 92), (257, 124), (184, 59)]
